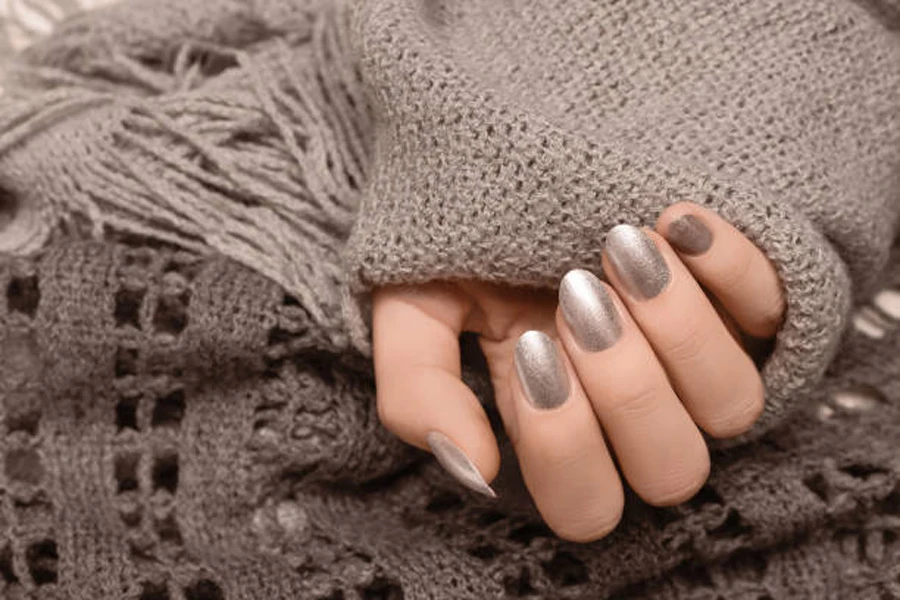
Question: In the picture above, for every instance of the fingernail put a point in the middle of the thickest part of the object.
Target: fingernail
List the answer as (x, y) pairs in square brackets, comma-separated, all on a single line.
[(541, 370), (637, 261), (689, 235), (455, 462), (589, 311)]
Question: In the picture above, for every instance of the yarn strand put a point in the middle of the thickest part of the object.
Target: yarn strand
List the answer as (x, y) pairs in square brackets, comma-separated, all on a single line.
[(208, 146)]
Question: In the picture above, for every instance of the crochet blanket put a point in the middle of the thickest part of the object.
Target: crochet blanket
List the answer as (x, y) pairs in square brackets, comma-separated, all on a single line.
[(201, 195)]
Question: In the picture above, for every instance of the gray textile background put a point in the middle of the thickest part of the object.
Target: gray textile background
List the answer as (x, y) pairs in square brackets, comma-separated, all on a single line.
[(204, 193), (23, 21)]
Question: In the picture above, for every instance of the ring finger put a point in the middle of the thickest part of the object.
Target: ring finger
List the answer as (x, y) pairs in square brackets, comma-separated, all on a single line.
[(660, 450)]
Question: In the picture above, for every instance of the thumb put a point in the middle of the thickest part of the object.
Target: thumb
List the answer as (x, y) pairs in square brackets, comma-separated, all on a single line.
[(420, 393)]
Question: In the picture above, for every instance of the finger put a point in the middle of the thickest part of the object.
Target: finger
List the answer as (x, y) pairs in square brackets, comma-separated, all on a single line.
[(420, 394), (712, 375), (564, 459), (659, 448), (727, 319), (728, 264), (759, 349)]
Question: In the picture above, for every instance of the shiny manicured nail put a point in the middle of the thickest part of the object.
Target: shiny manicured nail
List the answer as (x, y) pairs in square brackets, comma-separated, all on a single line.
[(589, 311), (637, 261), (689, 235), (541, 370), (455, 462)]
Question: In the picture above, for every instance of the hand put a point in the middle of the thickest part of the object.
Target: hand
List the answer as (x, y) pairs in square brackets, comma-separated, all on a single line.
[(643, 362)]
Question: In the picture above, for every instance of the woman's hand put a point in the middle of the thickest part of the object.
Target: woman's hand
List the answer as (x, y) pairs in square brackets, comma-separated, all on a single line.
[(637, 366)]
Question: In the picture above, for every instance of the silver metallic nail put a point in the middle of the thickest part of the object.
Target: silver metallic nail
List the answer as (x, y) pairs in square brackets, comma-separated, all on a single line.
[(541, 370), (589, 311), (455, 462), (637, 261), (689, 235)]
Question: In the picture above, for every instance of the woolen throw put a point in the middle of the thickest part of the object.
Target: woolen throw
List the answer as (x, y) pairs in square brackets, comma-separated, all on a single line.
[(204, 193)]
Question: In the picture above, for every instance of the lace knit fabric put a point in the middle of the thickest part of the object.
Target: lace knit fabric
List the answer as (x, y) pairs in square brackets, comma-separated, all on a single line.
[(204, 192), (173, 427)]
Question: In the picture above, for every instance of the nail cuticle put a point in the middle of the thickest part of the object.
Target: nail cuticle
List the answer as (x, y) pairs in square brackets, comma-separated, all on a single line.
[(455, 461), (589, 311), (637, 262), (541, 370)]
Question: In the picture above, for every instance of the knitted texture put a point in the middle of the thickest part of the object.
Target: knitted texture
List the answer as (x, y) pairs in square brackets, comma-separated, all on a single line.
[(187, 402), (175, 427), (513, 136), (226, 125)]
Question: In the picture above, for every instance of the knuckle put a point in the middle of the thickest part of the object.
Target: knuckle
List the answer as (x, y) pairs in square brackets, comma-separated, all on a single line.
[(688, 345), (733, 278), (746, 411), (559, 454), (678, 486), (634, 404)]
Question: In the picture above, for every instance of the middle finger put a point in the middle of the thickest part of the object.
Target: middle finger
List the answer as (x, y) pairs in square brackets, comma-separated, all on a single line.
[(713, 376)]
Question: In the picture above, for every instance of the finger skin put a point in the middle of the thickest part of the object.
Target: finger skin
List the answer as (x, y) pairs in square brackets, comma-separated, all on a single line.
[(659, 448), (418, 373), (565, 463), (712, 375), (733, 269)]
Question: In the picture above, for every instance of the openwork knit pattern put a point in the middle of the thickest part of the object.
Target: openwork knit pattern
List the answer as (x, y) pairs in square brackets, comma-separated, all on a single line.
[(205, 192), (175, 427)]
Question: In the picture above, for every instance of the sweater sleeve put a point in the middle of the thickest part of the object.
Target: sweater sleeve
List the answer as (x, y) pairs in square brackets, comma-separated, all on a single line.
[(510, 139)]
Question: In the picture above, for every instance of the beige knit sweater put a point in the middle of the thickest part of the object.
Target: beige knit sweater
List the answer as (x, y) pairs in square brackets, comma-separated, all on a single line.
[(203, 194)]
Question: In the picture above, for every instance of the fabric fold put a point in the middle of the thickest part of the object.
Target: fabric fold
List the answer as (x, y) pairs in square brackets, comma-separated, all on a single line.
[(186, 400), (510, 141)]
